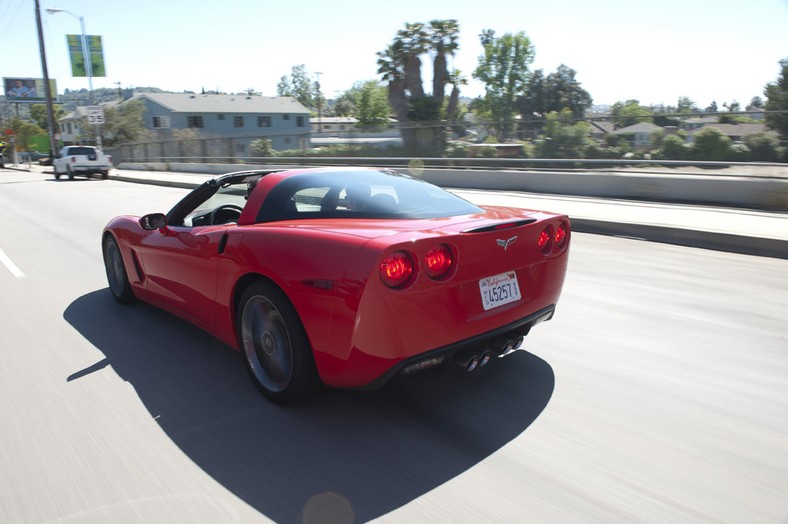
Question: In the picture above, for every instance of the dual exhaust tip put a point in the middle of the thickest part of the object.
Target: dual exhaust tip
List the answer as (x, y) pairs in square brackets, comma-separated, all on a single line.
[(471, 359)]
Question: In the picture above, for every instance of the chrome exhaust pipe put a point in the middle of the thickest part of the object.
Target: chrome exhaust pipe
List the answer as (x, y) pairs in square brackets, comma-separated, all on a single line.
[(485, 359), (467, 360)]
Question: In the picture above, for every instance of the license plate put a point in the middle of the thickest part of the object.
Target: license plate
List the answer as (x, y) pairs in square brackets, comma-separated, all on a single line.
[(499, 290)]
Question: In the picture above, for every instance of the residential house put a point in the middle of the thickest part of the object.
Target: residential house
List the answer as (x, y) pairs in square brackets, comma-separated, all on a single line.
[(736, 132), (639, 135), (343, 130), (71, 129), (282, 120), (244, 118)]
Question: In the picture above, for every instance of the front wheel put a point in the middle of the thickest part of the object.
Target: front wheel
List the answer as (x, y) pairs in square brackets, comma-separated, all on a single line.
[(117, 277), (274, 345)]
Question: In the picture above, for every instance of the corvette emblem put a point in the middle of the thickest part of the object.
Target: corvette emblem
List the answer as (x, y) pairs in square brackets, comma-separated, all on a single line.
[(505, 243)]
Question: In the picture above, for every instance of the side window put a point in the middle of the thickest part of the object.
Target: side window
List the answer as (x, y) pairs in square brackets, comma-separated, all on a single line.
[(310, 199)]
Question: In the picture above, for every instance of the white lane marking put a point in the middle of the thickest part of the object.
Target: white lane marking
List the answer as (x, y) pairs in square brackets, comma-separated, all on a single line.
[(7, 262)]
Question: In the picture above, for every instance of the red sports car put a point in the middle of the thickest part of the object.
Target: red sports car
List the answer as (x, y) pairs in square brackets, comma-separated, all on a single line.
[(342, 276)]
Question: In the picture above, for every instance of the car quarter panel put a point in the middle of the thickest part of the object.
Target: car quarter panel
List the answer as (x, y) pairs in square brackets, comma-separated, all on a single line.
[(307, 264)]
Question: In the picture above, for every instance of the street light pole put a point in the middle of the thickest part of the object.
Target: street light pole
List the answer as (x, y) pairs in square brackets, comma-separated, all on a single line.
[(85, 58)]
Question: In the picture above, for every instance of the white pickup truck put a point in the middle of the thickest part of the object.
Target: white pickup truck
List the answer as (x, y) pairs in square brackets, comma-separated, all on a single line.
[(81, 160)]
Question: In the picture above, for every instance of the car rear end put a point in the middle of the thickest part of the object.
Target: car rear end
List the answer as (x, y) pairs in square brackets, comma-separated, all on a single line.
[(459, 290)]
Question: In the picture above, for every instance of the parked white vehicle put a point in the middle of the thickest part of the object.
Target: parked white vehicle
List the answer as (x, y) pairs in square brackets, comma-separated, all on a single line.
[(81, 160)]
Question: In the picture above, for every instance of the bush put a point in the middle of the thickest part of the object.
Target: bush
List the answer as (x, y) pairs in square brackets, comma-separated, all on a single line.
[(457, 150), (764, 147), (261, 148), (488, 152), (711, 144), (528, 150), (674, 148), (740, 153)]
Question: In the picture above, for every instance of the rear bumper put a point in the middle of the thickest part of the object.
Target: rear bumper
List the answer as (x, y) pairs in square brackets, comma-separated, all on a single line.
[(488, 341), (89, 169)]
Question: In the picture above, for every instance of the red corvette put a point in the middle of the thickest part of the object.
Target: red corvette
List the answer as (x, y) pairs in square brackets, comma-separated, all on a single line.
[(342, 276)]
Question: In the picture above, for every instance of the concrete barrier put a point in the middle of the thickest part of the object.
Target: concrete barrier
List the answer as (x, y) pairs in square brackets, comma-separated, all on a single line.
[(752, 187)]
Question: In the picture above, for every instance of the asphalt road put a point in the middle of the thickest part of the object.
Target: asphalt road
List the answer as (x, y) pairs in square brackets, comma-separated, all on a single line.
[(658, 393)]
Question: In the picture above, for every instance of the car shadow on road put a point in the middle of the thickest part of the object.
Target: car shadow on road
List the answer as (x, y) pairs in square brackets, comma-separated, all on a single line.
[(344, 455)]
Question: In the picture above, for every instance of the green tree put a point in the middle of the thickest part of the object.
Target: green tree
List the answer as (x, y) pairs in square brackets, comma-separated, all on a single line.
[(23, 132), (629, 113), (123, 123), (367, 101), (372, 107), (299, 86), (503, 68), (38, 114), (400, 66), (777, 100), (344, 105), (562, 137), (563, 91), (711, 144), (686, 106)]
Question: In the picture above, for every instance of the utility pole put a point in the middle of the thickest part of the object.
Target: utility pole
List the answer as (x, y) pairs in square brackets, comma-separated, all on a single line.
[(47, 87)]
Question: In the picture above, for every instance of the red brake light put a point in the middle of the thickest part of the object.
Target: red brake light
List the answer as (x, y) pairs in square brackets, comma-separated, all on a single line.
[(438, 261), (396, 269), (561, 235), (545, 240)]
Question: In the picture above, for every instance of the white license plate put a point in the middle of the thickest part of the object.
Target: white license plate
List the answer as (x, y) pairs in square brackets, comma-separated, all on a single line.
[(499, 290)]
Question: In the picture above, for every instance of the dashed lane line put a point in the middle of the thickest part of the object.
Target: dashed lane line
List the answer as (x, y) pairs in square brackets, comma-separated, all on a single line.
[(9, 264)]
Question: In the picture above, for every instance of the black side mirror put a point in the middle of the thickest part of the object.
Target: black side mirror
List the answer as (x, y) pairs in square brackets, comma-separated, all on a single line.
[(153, 221)]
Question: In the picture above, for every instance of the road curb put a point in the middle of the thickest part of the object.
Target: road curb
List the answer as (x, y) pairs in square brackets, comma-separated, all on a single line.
[(744, 245)]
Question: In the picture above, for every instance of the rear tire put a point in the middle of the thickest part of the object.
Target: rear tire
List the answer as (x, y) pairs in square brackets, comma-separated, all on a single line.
[(274, 345), (105, 175), (57, 174), (70, 173), (116, 272)]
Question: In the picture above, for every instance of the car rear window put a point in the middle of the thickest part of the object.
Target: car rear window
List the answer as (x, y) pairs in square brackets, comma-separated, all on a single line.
[(360, 194), (81, 151)]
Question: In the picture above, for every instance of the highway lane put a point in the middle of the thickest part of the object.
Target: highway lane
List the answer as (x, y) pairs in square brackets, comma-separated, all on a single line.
[(657, 394)]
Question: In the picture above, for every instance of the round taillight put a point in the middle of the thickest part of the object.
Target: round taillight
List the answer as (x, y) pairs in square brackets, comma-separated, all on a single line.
[(545, 240), (438, 261), (396, 269), (562, 235)]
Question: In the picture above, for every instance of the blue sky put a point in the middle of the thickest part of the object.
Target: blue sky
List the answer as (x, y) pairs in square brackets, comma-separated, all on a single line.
[(650, 50)]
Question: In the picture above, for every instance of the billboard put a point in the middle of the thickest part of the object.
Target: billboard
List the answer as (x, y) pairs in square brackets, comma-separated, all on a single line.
[(95, 52), (28, 90)]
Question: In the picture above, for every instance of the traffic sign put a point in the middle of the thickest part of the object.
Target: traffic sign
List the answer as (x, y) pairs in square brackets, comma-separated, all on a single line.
[(95, 114)]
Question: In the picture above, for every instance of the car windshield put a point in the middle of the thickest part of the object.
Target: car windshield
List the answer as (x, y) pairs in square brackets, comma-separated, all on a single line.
[(360, 194)]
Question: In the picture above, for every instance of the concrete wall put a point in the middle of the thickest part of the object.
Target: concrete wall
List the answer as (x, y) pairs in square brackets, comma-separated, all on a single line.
[(765, 188)]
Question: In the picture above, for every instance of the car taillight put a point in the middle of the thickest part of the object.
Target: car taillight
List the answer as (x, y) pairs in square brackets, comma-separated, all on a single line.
[(396, 269), (545, 240), (562, 235), (438, 261), (73, 159)]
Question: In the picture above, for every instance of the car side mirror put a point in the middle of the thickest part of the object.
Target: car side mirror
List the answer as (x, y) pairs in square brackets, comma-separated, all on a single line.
[(153, 221)]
